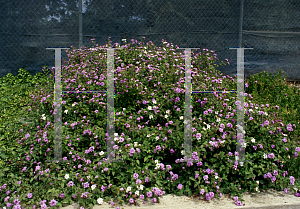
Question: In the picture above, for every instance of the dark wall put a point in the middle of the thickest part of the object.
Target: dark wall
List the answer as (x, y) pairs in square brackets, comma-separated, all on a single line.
[(210, 24)]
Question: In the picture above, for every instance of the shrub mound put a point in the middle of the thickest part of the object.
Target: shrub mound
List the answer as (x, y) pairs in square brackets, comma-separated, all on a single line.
[(149, 134)]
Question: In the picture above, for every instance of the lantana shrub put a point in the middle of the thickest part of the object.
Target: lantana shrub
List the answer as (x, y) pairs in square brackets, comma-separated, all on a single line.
[(149, 134)]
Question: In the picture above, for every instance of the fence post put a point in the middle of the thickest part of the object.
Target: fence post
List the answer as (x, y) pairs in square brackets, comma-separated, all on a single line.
[(240, 145), (80, 24), (57, 109), (240, 106), (241, 23)]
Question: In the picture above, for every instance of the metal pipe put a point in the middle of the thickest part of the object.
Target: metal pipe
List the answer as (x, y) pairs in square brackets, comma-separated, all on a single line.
[(241, 23), (80, 23)]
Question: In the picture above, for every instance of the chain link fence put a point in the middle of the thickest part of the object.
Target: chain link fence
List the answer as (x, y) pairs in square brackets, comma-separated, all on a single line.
[(270, 27)]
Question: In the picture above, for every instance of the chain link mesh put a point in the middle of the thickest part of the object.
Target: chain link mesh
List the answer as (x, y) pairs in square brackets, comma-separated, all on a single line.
[(270, 27)]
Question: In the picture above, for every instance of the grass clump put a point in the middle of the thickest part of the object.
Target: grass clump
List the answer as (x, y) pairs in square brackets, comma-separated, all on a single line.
[(149, 131)]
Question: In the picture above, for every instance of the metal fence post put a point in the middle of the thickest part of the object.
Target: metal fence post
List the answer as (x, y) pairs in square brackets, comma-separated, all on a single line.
[(240, 106), (241, 23), (80, 24), (240, 144), (58, 110)]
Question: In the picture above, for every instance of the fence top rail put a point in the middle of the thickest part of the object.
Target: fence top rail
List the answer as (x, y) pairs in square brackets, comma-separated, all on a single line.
[(92, 91)]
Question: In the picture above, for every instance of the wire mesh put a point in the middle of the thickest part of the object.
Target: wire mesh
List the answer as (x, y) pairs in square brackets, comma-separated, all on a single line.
[(270, 27)]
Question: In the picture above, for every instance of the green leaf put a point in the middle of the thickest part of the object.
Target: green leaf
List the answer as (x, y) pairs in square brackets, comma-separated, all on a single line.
[(59, 205), (193, 179), (5, 169)]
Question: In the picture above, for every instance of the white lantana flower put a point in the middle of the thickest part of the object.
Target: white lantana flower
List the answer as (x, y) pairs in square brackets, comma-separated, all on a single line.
[(149, 108), (100, 201), (182, 152), (157, 166), (66, 111), (101, 153), (244, 145), (135, 144), (257, 182), (181, 117), (154, 102), (166, 116), (93, 186), (265, 155), (137, 192), (252, 140), (116, 136), (43, 117), (128, 189), (67, 176), (151, 116)]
